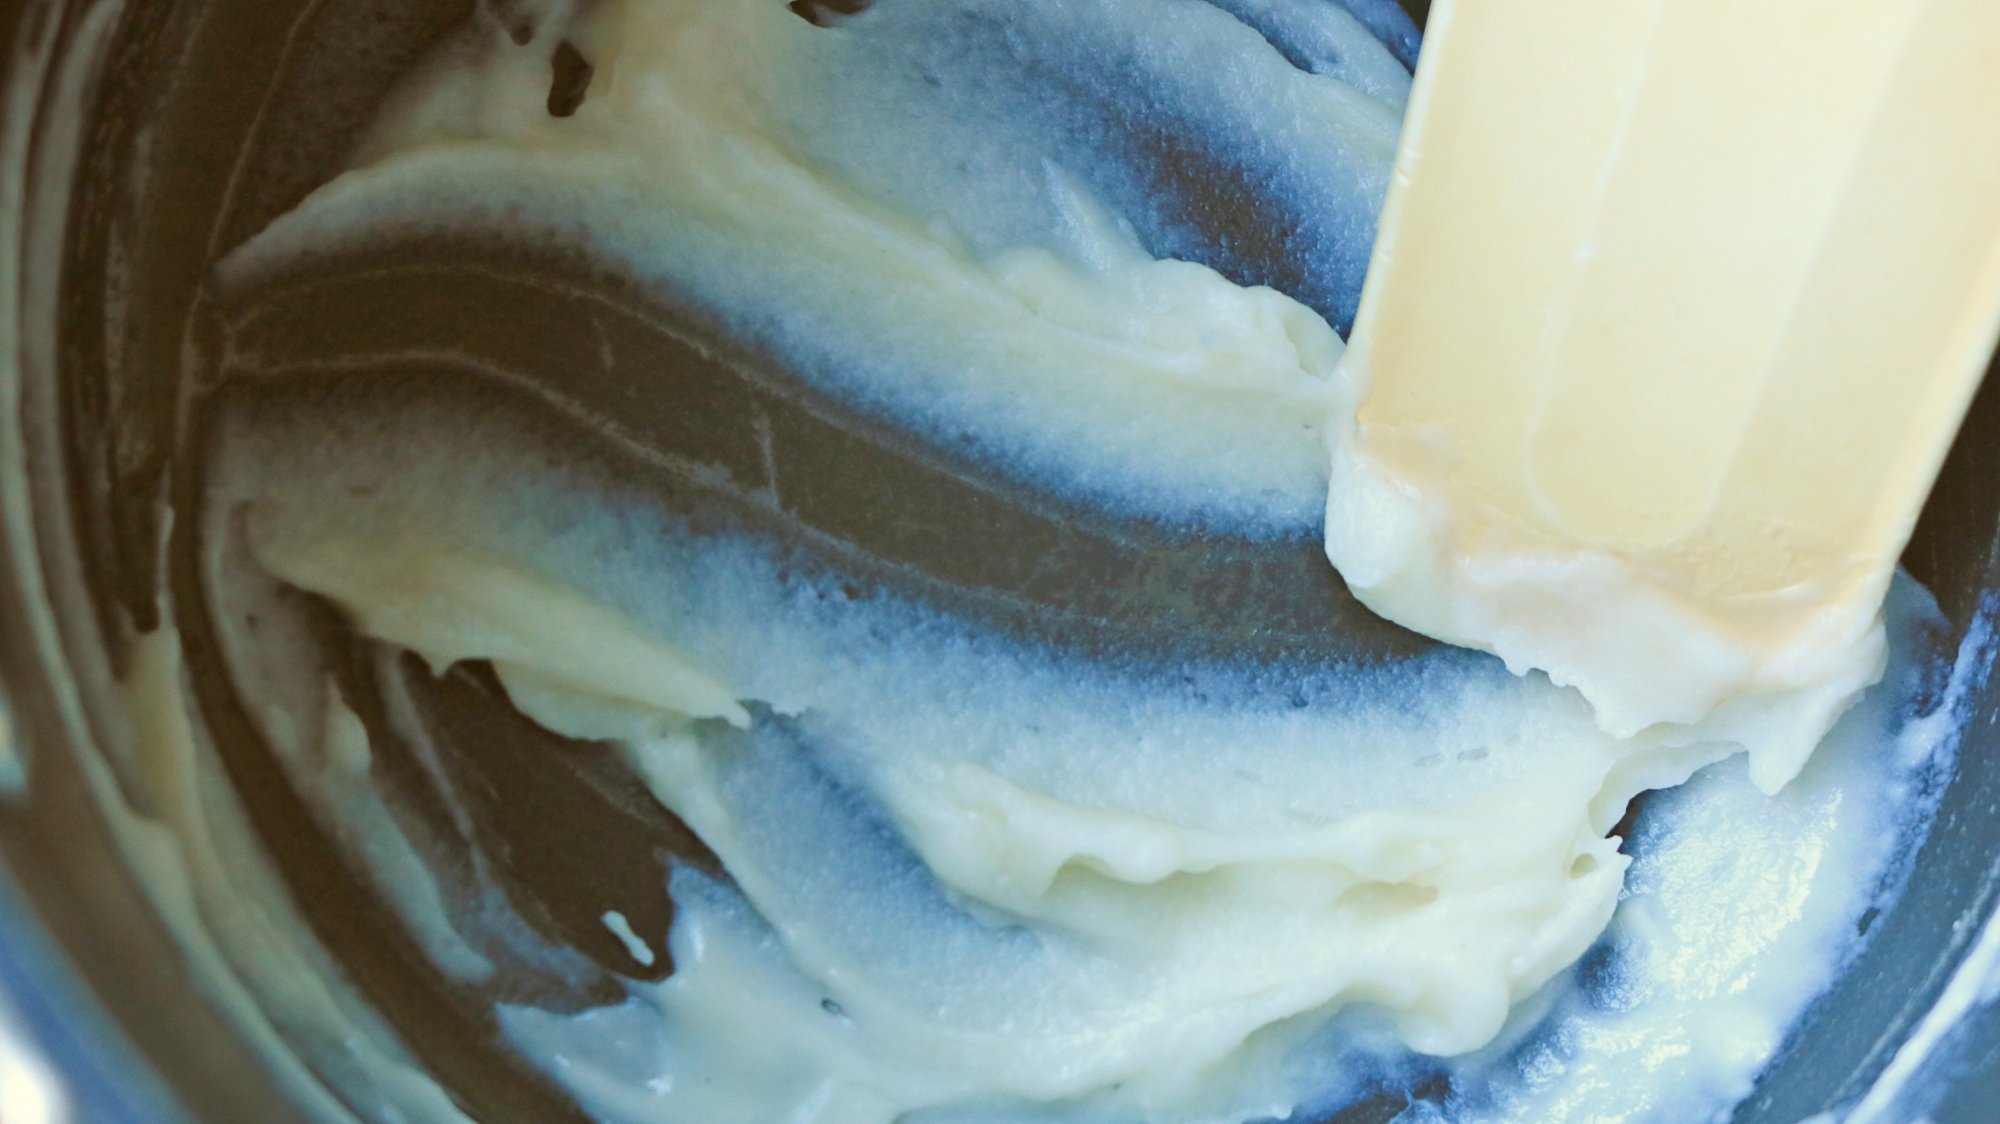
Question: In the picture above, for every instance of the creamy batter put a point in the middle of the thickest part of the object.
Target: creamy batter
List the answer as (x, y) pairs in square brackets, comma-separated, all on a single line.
[(967, 869)]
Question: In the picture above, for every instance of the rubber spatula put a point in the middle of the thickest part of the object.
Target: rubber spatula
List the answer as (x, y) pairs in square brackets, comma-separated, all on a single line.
[(1675, 309)]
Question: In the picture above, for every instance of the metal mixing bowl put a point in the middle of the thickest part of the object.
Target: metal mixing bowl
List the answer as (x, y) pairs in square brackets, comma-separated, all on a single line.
[(138, 138)]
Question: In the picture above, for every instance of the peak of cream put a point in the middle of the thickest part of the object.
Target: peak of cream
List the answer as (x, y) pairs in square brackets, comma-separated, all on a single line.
[(1673, 316)]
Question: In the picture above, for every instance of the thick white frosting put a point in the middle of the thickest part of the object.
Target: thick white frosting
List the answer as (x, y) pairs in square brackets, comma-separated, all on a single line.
[(971, 877), (755, 166), (1142, 894)]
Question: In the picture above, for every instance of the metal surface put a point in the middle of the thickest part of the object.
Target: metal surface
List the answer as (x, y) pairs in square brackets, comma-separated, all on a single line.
[(139, 141)]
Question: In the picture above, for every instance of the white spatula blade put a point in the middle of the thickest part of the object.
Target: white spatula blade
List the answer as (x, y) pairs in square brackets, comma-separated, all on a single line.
[(1674, 311)]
